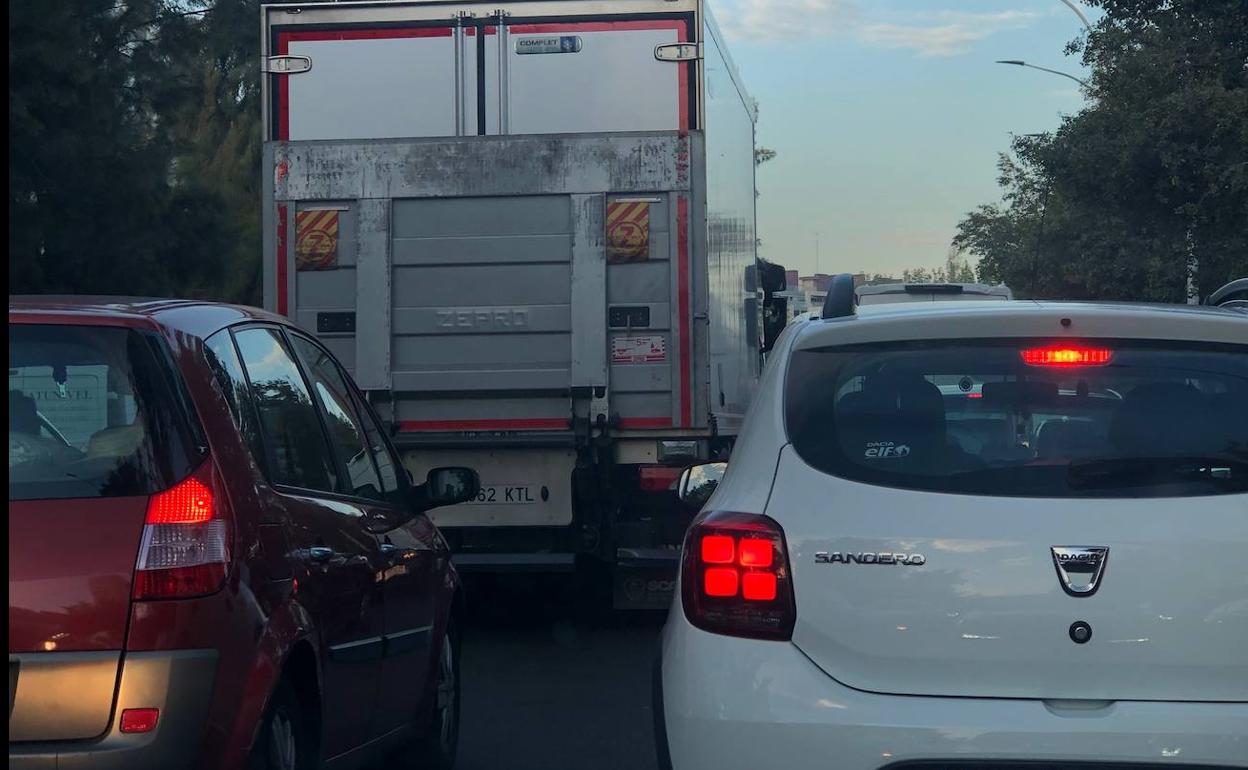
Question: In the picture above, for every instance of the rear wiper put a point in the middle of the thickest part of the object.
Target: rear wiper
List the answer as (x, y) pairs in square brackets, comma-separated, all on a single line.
[(1133, 471)]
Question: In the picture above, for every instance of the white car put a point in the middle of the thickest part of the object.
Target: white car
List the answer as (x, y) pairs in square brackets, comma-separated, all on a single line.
[(973, 535)]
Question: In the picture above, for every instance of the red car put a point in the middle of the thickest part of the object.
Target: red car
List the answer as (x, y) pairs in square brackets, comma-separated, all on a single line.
[(216, 559)]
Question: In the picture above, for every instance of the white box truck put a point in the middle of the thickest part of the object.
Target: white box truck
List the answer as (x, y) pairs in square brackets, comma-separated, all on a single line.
[(529, 230)]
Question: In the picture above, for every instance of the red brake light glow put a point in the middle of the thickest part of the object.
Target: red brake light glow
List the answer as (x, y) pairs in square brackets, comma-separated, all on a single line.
[(756, 552), (720, 581), (185, 548), (187, 503), (735, 577), (718, 549), (1067, 355), (758, 586)]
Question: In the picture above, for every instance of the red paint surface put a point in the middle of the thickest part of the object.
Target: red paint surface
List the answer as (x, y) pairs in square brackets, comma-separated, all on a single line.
[(71, 563), (641, 423)]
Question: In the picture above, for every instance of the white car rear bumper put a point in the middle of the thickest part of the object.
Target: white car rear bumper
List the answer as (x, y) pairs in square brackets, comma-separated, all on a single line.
[(732, 703)]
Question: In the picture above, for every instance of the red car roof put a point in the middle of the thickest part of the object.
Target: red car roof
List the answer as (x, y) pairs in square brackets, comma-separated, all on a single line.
[(198, 317)]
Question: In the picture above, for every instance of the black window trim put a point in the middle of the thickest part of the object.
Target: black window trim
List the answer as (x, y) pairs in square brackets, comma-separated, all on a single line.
[(321, 411), (287, 489), (261, 462), (401, 476)]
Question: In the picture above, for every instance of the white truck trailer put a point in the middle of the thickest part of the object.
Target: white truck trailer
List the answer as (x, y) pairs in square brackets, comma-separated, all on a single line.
[(528, 228)]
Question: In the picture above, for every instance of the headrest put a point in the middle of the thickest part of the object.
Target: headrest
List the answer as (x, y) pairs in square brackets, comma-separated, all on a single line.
[(1171, 418), (23, 413)]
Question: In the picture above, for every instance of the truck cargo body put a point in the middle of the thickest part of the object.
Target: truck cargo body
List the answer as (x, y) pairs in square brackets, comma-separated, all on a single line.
[(531, 237)]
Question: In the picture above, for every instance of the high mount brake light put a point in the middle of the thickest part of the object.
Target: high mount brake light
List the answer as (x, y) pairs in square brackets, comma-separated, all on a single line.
[(735, 577), (185, 549), (1067, 355)]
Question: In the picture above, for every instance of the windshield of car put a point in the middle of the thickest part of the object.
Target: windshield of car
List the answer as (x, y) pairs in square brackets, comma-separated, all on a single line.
[(1025, 418), (92, 414)]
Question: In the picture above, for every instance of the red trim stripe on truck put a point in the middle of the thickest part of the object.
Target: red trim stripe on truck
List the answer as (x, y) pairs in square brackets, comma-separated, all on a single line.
[(284, 39)]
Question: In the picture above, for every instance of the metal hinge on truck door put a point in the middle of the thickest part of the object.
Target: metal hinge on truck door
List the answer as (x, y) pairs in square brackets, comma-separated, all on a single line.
[(286, 65), (678, 52)]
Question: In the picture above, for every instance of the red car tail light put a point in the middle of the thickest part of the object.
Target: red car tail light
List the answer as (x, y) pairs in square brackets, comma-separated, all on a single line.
[(1067, 355), (735, 577), (185, 549), (139, 720)]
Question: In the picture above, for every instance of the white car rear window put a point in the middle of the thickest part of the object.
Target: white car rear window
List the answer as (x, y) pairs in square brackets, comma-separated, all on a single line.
[(1026, 417)]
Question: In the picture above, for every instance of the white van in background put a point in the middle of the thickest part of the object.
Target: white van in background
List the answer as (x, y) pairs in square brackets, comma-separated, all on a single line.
[(930, 292)]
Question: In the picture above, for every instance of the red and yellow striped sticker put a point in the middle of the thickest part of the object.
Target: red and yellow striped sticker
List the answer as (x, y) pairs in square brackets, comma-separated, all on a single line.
[(316, 240), (628, 231)]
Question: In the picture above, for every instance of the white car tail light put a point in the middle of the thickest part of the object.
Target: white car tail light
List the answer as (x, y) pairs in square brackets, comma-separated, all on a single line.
[(185, 548), (735, 577)]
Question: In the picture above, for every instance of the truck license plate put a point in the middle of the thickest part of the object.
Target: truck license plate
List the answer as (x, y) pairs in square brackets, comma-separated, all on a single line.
[(505, 495)]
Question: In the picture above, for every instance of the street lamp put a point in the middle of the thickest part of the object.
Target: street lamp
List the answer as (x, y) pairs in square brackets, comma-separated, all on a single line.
[(1087, 25), (1019, 63)]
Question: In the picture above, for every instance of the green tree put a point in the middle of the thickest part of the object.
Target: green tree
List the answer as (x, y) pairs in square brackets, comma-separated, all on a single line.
[(134, 148), (1150, 177), (89, 190)]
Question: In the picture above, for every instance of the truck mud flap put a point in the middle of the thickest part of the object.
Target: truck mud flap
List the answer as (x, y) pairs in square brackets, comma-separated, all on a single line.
[(645, 579)]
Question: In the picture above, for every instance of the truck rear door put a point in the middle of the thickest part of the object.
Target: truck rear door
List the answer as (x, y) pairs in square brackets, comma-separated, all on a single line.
[(412, 70)]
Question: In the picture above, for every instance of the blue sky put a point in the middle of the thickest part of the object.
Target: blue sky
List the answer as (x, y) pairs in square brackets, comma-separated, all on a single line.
[(888, 116)]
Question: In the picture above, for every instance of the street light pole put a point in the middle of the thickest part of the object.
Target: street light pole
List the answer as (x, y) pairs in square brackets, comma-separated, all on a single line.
[(1086, 24), (1020, 63)]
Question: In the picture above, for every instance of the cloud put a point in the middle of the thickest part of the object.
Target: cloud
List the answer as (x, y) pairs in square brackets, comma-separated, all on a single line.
[(786, 19), (933, 33), (943, 40), (953, 32)]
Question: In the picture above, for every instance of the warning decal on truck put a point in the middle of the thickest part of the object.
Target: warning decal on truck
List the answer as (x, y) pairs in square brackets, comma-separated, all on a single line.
[(628, 231), (638, 350), (316, 240)]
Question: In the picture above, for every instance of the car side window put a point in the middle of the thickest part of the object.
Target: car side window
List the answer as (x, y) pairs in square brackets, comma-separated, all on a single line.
[(387, 465), (299, 453), (228, 371), (339, 410)]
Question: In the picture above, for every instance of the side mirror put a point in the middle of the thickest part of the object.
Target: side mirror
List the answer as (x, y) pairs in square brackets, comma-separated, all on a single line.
[(775, 318), (447, 486), (699, 482)]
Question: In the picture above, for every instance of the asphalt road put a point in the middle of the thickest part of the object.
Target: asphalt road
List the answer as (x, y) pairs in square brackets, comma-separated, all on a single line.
[(548, 687)]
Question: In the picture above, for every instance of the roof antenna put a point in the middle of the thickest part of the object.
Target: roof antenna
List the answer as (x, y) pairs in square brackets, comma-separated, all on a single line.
[(841, 297)]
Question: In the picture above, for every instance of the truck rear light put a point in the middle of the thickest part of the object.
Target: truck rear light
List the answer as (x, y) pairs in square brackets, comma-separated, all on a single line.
[(658, 478), (185, 548), (735, 577), (139, 720)]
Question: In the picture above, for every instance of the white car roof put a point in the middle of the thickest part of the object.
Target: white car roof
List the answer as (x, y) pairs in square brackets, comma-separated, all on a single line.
[(1024, 318)]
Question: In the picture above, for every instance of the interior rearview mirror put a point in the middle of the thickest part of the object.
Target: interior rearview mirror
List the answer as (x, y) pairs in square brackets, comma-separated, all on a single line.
[(698, 483)]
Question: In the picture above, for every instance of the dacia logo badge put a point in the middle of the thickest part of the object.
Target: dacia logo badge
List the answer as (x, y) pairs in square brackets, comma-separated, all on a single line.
[(1079, 567)]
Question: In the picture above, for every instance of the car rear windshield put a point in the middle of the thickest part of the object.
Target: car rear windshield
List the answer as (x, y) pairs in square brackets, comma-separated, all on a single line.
[(1025, 417), (93, 412)]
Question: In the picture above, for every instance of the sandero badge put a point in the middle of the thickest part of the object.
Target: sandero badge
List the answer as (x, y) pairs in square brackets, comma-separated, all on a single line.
[(1079, 567), (865, 557)]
